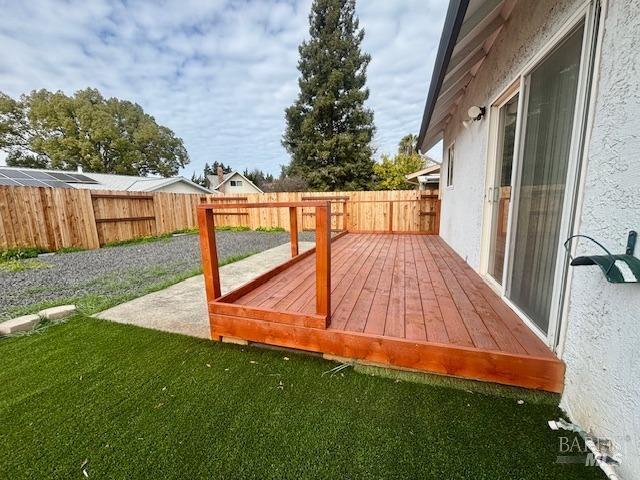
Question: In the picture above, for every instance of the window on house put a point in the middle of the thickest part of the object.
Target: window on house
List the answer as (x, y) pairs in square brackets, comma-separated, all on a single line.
[(450, 157), (236, 183)]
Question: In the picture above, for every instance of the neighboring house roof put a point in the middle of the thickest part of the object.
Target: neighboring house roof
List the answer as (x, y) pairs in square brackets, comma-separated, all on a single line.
[(433, 171), (215, 182), (36, 177), (470, 29), (227, 177)]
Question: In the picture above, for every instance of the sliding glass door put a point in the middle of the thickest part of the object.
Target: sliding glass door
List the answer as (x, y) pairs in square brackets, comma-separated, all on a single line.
[(500, 193), (546, 138)]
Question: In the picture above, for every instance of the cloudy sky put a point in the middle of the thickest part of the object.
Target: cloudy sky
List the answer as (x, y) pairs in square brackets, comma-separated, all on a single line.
[(218, 73)]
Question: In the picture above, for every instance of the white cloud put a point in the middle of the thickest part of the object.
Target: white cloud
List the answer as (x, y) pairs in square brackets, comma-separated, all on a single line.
[(219, 73)]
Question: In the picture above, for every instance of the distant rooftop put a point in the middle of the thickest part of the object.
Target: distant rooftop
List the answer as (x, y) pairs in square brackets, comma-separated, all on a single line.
[(36, 177)]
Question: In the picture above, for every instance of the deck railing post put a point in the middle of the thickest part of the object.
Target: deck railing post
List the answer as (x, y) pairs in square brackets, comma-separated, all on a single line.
[(323, 261), (293, 227), (345, 215), (209, 253)]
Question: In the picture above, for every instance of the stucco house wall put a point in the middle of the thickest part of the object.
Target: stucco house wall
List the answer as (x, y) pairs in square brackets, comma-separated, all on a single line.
[(529, 28), (600, 341)]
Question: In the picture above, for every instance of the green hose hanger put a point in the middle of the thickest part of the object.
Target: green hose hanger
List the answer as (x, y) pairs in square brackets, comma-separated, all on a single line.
[(622, 268)]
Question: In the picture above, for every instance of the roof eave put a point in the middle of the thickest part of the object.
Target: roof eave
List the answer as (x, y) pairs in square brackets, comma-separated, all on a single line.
[(171, 181), (453, 22), (245, 178)]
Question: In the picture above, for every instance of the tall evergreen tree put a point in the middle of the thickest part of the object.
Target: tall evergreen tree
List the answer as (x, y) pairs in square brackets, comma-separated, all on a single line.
[(329, 130)]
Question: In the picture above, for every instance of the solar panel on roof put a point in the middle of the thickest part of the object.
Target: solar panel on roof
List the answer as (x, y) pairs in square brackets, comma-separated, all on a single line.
[(56, 184), (38, 175), (81, 178), (29, 182), (6, 181), (65, 177), (15, 173)]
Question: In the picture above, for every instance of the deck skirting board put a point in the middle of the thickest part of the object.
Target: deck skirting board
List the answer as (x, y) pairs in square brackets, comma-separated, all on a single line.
[(542, 373)]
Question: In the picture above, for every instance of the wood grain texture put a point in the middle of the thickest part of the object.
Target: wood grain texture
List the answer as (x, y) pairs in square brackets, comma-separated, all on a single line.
[(293, 229), (541, 373), (323, 261), (412, 288), (56, 218), (209, 254)]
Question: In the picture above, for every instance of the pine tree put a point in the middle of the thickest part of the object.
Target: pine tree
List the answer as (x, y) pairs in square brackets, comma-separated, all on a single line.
[(329, 130)]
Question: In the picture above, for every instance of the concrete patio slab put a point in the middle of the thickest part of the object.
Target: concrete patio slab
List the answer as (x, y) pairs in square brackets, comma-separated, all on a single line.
[(181, 308)]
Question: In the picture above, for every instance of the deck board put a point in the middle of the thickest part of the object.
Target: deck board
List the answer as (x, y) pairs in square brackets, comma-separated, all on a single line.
[(414, 316), (478, 331), (394, 323), (307, 296), (456, 329), (360, 311), (403, 288), (378, 313), (291, 280), (435, 328), (343, 307)]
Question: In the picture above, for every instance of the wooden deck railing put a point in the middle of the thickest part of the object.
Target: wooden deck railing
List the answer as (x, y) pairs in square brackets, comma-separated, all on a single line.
[(218, 302)]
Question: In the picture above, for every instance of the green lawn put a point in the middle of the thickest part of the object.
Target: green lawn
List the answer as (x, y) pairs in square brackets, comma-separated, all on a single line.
[(133, 403)]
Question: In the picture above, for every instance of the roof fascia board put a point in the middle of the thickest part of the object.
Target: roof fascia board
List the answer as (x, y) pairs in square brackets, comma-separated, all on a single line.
[(171, 181), (452, 24)]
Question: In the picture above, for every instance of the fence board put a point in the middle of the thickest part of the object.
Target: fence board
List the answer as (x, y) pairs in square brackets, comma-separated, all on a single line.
[(57, 218)]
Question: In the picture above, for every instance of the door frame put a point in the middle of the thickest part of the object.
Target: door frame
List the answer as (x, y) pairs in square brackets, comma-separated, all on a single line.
[(590, 12), (492, 163)]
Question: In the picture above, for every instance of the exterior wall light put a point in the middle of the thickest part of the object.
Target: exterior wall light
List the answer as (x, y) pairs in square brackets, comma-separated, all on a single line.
[(475, 113)]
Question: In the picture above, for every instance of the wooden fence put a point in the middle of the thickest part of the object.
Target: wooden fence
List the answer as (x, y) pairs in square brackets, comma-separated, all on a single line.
[(57, 218)]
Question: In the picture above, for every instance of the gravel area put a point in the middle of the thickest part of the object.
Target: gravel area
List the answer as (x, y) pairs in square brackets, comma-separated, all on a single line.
[(125, 271)]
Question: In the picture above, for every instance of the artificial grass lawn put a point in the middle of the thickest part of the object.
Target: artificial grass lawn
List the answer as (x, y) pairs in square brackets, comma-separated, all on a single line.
[(126, 402)]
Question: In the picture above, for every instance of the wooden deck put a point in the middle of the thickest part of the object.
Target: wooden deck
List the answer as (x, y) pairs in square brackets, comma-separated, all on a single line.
[(400, 300)]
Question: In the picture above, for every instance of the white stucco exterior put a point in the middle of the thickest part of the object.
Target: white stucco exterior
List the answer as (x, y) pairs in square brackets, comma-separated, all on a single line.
[(602, 387), (529, 28), (601, 328)]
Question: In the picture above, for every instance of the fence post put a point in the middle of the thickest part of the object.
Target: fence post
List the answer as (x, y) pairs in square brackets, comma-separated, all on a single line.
[(436, 220), (209, 253), (390, 216), (323, 261), (293, 229)]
